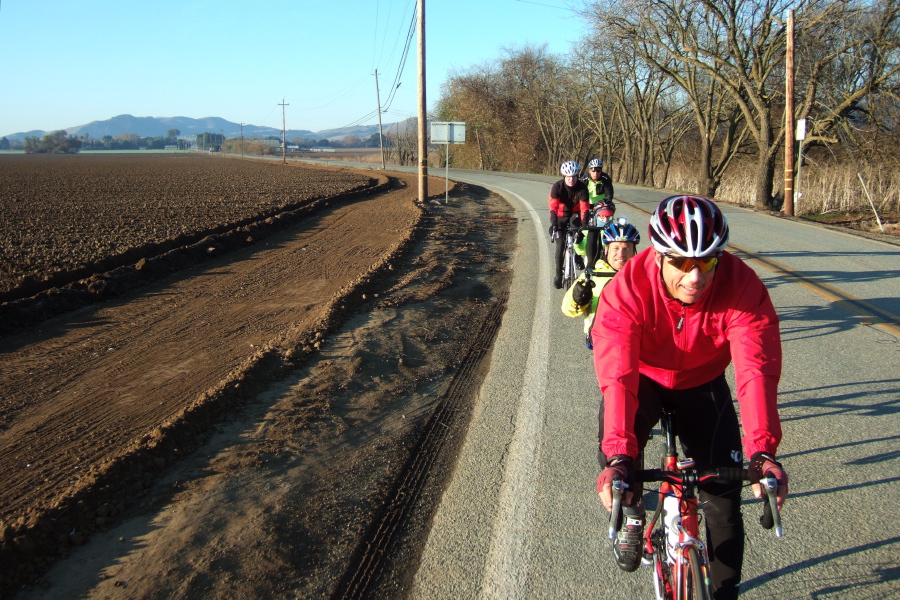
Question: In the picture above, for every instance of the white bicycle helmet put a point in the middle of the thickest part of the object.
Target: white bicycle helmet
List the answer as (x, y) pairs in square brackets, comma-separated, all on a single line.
[(689, 226), (569, 168), (595, 163)]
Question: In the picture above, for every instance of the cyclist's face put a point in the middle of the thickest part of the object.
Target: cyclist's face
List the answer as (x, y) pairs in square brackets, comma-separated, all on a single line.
[(595, 173), (618, 253), (570, 180), (686, 287)]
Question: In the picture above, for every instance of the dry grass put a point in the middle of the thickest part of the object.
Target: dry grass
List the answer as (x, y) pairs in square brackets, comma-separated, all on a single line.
[(824, 188)]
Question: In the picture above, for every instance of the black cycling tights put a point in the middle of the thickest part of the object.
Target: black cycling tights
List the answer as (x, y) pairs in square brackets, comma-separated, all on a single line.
[(563, 223), (707, 427), (592, 249)]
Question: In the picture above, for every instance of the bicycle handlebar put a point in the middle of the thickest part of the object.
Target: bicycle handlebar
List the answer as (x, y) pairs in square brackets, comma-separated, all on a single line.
[(770, 518), (568, 229), (720, 474)]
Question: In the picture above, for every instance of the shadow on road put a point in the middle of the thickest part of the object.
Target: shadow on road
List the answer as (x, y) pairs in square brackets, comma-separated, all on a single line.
[(879, 575)]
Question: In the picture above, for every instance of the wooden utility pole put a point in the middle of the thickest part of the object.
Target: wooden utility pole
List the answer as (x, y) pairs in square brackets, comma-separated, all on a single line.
[(789, 119), (242, 140), (423, 146), (380, 133), (283, 133)]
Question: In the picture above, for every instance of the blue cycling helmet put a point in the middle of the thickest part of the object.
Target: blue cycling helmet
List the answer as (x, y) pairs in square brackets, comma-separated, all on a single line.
[(620, 230), (595, 163)]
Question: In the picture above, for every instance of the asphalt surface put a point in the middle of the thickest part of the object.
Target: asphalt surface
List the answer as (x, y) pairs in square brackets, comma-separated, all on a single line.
[(521, 518)]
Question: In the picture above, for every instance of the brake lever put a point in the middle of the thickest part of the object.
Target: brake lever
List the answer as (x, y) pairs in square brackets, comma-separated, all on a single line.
[(771, 515), (618, 487)]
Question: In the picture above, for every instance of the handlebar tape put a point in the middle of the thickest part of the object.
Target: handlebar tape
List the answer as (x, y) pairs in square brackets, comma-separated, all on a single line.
[(721, 474), (729, 474)]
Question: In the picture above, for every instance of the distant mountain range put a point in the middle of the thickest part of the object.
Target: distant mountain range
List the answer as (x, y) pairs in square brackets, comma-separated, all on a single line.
[(159, 126)]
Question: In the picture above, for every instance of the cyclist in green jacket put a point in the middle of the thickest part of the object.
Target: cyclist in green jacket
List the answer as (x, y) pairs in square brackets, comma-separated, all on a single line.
[(600, 196)]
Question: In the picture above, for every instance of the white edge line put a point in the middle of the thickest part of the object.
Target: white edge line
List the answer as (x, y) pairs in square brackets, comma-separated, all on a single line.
[(508, 560)]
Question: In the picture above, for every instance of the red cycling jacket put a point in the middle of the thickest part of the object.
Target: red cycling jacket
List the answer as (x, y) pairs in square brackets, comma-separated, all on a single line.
[(565, 200), (640, 330)]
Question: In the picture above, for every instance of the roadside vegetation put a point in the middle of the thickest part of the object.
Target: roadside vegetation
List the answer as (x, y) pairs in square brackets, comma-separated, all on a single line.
[(691, 96)]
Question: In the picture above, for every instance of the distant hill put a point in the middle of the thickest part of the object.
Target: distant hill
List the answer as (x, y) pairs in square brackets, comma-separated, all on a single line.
[(158, 126)]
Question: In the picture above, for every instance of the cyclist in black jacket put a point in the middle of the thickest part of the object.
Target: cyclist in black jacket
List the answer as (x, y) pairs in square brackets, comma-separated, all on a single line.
[(568, 206)]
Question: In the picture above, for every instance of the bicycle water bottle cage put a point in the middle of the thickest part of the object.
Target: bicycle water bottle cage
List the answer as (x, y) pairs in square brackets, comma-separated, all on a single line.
[(685, 463)]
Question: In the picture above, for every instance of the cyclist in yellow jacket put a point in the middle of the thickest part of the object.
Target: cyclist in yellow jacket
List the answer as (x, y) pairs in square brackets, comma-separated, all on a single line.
[(620, 239)]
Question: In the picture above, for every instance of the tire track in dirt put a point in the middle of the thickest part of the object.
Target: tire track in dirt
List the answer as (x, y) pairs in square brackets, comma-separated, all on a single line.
[(375, 556)]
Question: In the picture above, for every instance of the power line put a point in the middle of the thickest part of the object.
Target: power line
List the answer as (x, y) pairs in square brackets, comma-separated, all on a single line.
[(336, 95), (387, 21), (409, 37), (399, 35), (396, 84), (375, 33), (358, 121)]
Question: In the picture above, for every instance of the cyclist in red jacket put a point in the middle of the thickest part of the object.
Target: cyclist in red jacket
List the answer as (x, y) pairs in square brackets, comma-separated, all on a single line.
[(568, 206), (667, 327)]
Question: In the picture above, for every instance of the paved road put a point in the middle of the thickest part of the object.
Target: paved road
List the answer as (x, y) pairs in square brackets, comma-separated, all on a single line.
[(521, 519)]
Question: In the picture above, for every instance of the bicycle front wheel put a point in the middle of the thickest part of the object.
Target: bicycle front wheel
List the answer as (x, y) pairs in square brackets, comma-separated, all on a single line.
[(696, 577), (569, 269)]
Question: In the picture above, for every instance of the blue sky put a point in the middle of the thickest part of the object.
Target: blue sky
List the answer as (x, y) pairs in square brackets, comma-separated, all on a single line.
[(65, 63)]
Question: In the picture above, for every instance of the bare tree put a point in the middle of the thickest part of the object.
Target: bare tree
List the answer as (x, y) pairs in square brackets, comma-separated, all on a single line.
[(407, 144), (637, 103), (717, 118), (729, 56), (524, 112), (737, 45), (479, 98), (847, 68)]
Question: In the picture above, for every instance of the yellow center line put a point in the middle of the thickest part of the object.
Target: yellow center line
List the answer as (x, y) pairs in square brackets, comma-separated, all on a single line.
[(881, 318)]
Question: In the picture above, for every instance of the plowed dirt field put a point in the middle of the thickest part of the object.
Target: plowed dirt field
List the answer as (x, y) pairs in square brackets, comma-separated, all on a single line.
[(261, 404)]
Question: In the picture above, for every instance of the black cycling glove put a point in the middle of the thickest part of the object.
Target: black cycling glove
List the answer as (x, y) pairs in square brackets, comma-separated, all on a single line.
[(762, 463), (581, 292)]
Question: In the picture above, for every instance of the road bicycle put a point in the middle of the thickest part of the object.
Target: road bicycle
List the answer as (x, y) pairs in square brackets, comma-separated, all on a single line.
[(593, 225), (672, 543), (569, 267)]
